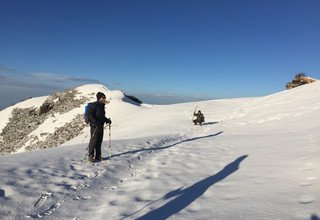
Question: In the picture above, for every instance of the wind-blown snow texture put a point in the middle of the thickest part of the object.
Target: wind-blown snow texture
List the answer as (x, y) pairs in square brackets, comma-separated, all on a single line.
[(254, 158)]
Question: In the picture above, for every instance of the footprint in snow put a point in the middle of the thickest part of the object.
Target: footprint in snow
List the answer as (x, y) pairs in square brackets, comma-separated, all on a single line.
[(306, 199), (109, 188), (97, 173), (113, 187), (80, 186), (72, 167), (308, 181), (85, 185), (82, 198), (42, 199), (309, 166), (47, 212), (121, 181)]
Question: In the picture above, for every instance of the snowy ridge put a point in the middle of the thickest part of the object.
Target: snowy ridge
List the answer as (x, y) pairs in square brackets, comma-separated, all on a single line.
[(54, 121), (254, 158), (6, 113)]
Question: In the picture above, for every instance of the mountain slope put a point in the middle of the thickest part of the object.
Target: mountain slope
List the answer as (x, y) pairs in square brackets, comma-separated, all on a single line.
[(254, 158), (49, 121)]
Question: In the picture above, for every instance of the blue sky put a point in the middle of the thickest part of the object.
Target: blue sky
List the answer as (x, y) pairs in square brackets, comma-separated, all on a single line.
[(162, 51)]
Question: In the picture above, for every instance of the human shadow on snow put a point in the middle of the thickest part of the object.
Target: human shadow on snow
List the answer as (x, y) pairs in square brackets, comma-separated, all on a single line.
[(315, 217), (163, 147), (185, 197)]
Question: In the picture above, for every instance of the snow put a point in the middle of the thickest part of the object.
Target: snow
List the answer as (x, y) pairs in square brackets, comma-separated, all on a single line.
[(254, 158)]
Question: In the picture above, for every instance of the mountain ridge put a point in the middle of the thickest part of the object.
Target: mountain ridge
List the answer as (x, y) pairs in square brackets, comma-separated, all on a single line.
[(47, 121), (26, 126)]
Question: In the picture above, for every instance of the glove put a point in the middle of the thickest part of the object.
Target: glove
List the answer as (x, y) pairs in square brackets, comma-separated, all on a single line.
[(108, 121)]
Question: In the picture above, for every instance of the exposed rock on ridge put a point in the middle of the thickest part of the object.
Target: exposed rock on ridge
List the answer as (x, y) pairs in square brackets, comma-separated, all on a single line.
[(299, 80), (23, 121)]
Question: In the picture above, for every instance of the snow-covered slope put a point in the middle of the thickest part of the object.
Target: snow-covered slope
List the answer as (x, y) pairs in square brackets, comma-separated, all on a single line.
[(129, 120), (26, 125), (254, 158)]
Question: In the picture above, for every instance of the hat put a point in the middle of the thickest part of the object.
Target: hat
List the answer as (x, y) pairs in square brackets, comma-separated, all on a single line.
[(100, 95)]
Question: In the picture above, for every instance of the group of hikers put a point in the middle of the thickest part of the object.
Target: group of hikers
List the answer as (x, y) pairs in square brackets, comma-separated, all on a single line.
[(97, 118)]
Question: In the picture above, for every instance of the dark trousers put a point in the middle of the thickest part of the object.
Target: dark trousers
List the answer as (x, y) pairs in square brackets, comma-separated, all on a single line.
[(95, 141), (196, 121)]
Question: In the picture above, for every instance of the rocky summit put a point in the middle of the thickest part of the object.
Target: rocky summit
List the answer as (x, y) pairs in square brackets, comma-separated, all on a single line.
[(19, 132), (299, 80)]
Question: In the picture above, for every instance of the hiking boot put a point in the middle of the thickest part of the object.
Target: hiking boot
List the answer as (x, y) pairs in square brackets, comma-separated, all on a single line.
[(99, 158), (91, 159)]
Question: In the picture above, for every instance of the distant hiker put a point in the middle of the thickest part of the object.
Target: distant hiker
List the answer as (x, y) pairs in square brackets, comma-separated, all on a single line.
[(199, 118), (97, 119)]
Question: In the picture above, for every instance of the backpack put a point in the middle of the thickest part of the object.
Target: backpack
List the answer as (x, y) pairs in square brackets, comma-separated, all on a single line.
[(87, 110), (202, 117)]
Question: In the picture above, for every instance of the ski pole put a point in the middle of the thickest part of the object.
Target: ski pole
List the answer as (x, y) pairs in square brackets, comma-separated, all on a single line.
[(195, 109), (110, 148), (85, 152)]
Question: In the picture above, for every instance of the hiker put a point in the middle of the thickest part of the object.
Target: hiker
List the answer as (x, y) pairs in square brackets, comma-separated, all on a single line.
[(199, 118), (97, 119)]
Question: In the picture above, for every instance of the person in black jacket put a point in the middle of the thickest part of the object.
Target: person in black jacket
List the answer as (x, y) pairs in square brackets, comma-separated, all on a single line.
[(97, 120)]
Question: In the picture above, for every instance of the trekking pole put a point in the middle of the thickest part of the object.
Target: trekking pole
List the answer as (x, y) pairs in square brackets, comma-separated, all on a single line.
[(110, 148), (195, 109), (85, 152)]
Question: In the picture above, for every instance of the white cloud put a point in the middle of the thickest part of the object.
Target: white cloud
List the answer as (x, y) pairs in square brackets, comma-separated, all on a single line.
[(62, 78), (16, 86)]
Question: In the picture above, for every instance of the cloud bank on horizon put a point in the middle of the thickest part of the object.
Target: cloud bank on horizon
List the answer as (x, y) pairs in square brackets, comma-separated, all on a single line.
[(16, 86)]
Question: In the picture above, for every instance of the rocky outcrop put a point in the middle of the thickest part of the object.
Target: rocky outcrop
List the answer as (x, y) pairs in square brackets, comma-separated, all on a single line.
[(24, 121), (299, 80), (61, 102), (60, 135)]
